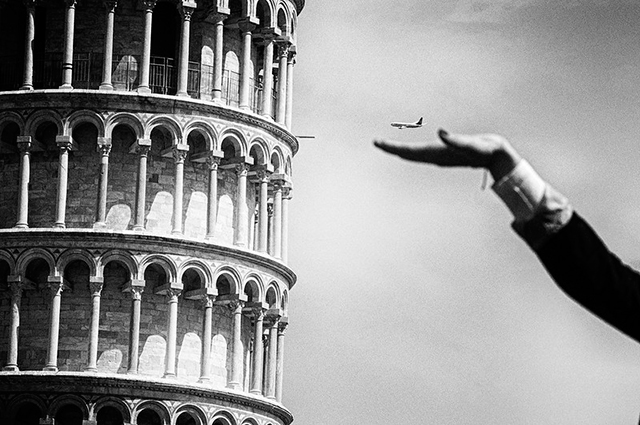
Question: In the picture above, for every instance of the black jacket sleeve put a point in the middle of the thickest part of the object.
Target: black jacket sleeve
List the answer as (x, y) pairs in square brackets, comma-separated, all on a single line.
[(581, 264)]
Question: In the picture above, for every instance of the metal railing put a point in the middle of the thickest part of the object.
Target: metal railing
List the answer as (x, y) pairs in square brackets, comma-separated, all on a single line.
[(87, 74)]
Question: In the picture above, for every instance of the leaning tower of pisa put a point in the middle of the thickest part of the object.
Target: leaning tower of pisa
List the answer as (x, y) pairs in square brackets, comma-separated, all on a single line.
[(145, 176)]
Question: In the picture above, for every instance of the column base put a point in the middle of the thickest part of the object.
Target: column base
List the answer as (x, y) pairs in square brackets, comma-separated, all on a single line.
[(234, 386), (138, 229), (267, 117), (169, 376), (91, 370), (59, 226), (11, 368), (21, 226), (256, 392), (143, 90), (50, 368), (204, 380), (99, 225), (66, 87), (106, 86), (182, 94), (27, 87)]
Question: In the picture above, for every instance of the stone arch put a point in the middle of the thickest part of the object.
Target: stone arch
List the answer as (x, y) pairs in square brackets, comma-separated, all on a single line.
[(258, 151), (276, 160), (32, 254), (84, 116), (21, 399), (166, 263), (194, 411), (7, 117), (198, 267), (272, 295), (222, 417), (249, 421), (253, 287), (156, 407), (205, 129), (283, 18), (234, 138), (120, 256), (167, 123), (126, 119), (71, 255), (69, 399), (287, 166), (284, 302), (232, 276), (268, 11), (116, 403), (43, 116), (8, 258)]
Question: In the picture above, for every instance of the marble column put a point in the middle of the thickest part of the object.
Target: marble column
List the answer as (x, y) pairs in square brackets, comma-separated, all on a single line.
[(282, 329), (277, 219), (218, 53), (283, 53), (205, 355), (67, 59), (16, 285), (27, 74), (270, 366), (286, 197), (96, 290), (258, 347), (135, 288), (212, 200), (56, 287), (267, 100), (289, 106), (245, 71), (108, 46), (172, 295), (65, 143), (104, 148), (24, 146), (145, 63), (142, 148), (242, 212), (179, 155), (236, 346), (186, 10), (263, 210)]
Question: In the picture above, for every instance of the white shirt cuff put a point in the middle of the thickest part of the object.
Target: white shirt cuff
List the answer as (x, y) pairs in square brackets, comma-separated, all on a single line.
[(521, 190)]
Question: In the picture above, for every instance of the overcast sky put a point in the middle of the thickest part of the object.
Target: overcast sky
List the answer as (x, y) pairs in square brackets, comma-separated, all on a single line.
[(416, 303)]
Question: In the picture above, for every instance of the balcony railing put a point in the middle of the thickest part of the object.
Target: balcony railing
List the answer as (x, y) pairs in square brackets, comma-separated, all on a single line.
[(163, 76)]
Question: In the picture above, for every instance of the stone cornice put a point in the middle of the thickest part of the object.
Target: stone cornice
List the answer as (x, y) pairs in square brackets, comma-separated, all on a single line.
[(101, 100), (133, 386), (137, 241)]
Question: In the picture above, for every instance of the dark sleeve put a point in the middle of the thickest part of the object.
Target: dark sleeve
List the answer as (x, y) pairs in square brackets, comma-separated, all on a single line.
[(582, 265)]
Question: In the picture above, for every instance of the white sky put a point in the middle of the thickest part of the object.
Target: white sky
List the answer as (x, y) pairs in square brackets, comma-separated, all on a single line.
[(415, 301)]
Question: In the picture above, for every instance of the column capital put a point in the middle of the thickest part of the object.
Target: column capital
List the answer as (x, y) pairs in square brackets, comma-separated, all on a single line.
[(282, 325), (287, 192), (71, 3), (141, 147), (247, 24), (95, 286), (242, 169), (283, 47), (171, 290), (149, 5), (201, 293), (186, 9), (16, 287), (65, 143), (213, 162), (234, 305), (56, 285), (104, 146), (24, 143), (135, 287), (110, 5), (30, 4), (207, 301), (216, 14)]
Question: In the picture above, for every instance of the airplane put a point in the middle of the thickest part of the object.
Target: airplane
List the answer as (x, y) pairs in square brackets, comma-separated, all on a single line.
[(402, 125)]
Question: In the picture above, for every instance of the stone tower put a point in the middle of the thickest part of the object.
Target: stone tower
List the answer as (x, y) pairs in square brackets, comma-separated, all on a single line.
[(145, 176)]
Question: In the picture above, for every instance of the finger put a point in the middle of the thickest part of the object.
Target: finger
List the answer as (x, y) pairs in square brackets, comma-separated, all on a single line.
[(436, 154), (459, 141)]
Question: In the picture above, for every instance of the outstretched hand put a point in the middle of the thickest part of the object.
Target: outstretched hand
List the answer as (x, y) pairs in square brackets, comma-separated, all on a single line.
[(490, 151)]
